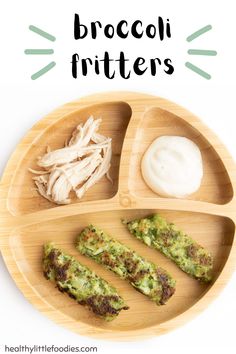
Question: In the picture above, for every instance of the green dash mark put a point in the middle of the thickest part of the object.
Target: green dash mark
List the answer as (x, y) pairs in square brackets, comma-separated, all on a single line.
[(202, 52), (197, 70), (198, 33), (39, 51), (43, 71), (42, 33)]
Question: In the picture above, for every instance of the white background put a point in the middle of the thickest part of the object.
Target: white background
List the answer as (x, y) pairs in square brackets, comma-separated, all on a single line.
[(23, 102)]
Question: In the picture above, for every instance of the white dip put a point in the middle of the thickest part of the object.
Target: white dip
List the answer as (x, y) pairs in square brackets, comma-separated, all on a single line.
[(172, 166)]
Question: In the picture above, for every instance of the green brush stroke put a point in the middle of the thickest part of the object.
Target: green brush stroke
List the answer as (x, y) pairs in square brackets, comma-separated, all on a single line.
[(202, 52), (198, 33), (42, 33), (43, 71), (39, 51), (198, 71)]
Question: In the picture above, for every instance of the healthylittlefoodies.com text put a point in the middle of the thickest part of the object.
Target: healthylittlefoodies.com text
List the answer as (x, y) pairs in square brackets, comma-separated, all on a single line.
[(31, 349)]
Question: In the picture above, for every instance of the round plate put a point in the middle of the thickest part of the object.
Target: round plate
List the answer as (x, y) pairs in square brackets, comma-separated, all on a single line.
[(27, 221)]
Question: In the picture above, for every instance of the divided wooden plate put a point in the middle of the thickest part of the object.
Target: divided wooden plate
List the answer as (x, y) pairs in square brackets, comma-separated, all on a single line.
[(27, 221)]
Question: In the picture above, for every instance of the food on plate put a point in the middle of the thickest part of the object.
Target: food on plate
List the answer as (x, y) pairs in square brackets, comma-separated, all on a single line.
[(172, 166), (82, 284), (77, 166), (144, 276), (158, 233)]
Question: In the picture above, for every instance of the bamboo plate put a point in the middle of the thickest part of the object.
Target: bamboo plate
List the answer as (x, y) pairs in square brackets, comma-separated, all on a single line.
[(27, 220)]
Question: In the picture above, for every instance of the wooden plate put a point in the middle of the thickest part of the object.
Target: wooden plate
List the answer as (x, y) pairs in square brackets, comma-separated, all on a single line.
[(27, 220)]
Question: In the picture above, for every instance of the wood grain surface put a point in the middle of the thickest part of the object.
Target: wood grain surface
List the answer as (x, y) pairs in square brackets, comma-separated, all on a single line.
[(27, 220)]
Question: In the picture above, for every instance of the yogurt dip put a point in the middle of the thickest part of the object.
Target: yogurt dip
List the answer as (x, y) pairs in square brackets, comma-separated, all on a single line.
[(172, 166)]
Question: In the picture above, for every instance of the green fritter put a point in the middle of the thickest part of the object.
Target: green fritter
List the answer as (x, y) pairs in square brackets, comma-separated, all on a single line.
[(144, 276), (158, 233), (81, 284)]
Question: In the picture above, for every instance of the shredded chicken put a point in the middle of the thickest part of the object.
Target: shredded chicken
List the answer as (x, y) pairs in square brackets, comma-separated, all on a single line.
[(102, 168), (84, 160)]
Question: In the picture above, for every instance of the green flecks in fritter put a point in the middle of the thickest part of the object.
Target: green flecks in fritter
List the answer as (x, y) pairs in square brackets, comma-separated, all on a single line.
[(144, 276), (158, 233), (82, 284)]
